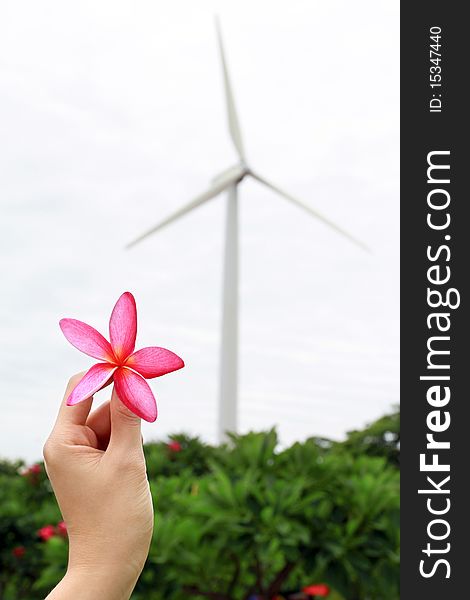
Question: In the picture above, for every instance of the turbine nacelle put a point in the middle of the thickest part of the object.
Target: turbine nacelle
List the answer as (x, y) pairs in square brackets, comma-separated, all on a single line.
[(232, 175)]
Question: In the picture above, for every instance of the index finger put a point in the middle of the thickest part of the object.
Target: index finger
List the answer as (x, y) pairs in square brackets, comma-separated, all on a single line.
[(73, 415)]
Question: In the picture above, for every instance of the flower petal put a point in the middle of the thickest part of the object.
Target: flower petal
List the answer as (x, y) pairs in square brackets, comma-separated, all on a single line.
[(123, 326), (93, 380), (86, 339), (134, 392), (154, 362)]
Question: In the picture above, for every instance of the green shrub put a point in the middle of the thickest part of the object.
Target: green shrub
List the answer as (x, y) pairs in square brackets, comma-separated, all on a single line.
[(239, 520)]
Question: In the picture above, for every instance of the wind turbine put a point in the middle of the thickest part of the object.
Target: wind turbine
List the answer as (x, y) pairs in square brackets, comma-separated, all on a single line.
[(228, 181)]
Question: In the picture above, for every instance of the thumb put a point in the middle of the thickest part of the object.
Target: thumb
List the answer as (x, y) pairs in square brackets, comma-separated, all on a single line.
[(125, 426)]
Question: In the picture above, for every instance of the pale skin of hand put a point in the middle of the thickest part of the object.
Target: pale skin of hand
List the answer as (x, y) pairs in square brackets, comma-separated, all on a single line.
[(96, 465)]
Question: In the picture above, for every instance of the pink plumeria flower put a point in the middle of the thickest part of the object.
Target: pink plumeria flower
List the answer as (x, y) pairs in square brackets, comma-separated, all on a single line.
[(128, 369)]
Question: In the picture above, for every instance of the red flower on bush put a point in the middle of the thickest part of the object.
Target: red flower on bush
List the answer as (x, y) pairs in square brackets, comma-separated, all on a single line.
[(18, 551), (61, 529), (49, 531), (32, 473), (46, 532), (317, 589), (174, 446)]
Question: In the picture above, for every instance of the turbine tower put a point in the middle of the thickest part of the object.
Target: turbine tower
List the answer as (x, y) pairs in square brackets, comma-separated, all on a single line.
[(228, 181)]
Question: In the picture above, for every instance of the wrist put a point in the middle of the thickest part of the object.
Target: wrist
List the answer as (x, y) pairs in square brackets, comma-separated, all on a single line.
[(104, 582)]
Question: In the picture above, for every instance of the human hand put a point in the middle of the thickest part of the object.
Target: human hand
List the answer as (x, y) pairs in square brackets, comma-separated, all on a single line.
[(96, 466)]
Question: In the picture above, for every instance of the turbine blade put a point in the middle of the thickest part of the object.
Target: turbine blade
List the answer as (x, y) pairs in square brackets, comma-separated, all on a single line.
[(204, 197), (310, 210), (233, 124)]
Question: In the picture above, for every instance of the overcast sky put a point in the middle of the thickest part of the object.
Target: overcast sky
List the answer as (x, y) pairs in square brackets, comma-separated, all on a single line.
[(112, 115)]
